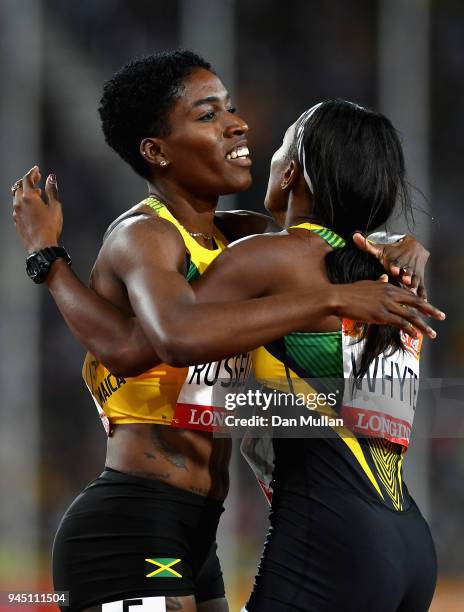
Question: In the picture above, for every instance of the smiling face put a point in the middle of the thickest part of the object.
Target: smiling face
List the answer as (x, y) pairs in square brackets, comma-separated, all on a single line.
[(276, 200), (206, 148)]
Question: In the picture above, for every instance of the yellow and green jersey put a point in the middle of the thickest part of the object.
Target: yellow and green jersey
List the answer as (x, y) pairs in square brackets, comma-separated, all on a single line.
[(166, 395), (374, 415)]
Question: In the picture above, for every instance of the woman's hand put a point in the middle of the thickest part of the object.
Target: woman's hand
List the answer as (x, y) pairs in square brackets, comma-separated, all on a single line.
[(38, 224), (405, 259), (382, 303)]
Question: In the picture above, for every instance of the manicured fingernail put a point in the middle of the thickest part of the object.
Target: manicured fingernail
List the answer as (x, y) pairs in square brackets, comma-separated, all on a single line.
[(52, 178), (442, 315), (432, 333)]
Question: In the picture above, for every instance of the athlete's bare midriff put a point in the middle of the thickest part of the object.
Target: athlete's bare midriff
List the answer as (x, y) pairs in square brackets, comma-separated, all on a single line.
[(191, 460)]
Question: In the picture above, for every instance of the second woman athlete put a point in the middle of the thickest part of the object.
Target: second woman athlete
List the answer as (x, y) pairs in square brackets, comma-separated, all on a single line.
[(345, 532)]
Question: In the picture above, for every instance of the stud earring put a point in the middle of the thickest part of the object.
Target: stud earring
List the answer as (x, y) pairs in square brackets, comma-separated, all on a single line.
[(163, 163)]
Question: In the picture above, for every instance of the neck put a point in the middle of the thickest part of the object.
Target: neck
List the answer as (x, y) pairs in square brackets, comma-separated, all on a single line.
[(195, 213), (297, 219), (300, 207)]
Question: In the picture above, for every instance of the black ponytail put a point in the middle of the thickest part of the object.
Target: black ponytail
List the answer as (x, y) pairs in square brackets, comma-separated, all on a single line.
[(348, 265)]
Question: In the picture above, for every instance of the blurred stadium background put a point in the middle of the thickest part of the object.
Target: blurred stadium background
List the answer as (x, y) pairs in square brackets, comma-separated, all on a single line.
[(404, 57)]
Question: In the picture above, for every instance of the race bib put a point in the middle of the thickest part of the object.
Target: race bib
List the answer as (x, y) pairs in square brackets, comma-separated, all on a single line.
[(201, 401), (383, 402)]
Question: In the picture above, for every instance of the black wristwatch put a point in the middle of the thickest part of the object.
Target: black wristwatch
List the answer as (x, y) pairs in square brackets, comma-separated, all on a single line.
[(38, 264)]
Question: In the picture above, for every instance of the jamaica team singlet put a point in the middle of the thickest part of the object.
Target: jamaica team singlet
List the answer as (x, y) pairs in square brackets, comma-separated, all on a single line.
[(377, 412), (180, 397)]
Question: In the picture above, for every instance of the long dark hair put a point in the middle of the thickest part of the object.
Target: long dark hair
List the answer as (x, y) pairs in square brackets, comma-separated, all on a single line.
[(354, 159)]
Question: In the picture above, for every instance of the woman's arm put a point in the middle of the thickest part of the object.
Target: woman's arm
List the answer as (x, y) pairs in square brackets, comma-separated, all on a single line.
[(116, 340)]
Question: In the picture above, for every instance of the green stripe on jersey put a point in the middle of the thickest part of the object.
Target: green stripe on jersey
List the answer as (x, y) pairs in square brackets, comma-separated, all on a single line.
[(319, 354), (154, 204), (332, 239), (193, 273)]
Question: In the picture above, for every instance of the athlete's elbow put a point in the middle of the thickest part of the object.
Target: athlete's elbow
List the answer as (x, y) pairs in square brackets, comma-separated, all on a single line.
[(177, 351), (123, 363), (176, 344), (175, 356), (117, 367), (120, 369), (177, 361)]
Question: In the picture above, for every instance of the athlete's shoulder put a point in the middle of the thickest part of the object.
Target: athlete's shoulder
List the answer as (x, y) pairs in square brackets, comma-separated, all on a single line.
[(139, 218), (236, 224), (139, 236)]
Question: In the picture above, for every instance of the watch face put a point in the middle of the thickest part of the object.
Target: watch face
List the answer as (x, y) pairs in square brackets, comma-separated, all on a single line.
[(37, 267), (39, 263)]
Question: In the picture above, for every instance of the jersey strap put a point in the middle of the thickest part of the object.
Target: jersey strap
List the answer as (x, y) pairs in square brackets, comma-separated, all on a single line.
[(332, 239), (199, 256)]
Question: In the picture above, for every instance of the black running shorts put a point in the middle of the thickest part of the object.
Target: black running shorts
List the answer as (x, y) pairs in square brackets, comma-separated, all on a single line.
[(126, 536)]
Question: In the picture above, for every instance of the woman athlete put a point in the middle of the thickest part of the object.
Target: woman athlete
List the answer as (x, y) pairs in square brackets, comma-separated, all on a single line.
[(158, 470), (345, 533)]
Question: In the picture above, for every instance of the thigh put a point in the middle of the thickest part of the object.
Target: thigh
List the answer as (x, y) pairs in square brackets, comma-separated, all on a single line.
[(214, 605)]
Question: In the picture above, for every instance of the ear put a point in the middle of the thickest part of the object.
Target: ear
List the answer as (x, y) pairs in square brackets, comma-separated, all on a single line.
[(290, 176), (152, 151)]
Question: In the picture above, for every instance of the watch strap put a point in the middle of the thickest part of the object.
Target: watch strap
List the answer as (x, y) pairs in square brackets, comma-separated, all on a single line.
[(53, 253), (38, 263)]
